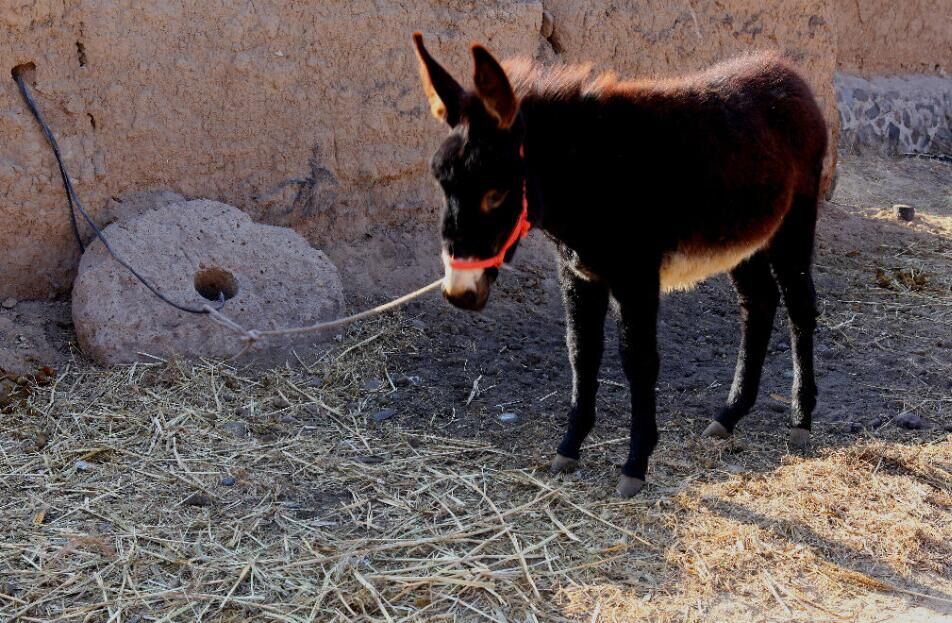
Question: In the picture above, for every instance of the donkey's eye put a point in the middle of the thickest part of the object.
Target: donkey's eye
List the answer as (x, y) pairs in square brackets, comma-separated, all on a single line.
[(492, 200)]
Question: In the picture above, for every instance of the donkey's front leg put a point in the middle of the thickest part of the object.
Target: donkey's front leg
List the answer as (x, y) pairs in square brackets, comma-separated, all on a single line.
[(638, 336), (586, 303)]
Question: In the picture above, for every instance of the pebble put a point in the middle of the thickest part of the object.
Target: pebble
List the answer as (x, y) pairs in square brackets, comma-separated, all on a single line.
[(911, 421), (904, 212), (228, 481), (372, 385), (238, 430), (508, 418), (404, 381), (197, 499), (383, 415), (847, 427), (82, 465), (9, 303)]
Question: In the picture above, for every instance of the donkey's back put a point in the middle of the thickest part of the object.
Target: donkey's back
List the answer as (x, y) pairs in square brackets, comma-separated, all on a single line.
[(699, 171)]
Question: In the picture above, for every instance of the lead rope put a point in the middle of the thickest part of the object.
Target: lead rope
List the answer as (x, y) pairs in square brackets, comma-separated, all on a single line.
[(248, 336)]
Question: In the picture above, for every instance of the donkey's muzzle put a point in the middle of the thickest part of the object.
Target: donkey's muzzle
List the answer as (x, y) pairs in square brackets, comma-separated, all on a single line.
[(467, 288), (471, 300)]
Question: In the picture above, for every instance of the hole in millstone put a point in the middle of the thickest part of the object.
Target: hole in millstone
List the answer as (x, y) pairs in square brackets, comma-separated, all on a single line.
[(214, 283)]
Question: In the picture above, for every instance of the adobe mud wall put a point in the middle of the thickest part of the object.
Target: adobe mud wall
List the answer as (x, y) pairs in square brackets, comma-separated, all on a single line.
[(304, 113), (886, 37)]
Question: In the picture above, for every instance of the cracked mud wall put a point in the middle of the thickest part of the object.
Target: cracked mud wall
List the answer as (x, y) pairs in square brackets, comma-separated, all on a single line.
[(886, 37), (307, 114)]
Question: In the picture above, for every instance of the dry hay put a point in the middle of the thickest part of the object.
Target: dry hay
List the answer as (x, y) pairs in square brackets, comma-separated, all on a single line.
[(115, 510)]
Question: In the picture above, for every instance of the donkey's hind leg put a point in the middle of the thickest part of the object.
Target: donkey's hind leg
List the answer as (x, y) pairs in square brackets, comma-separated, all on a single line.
[(586, 304), (791, 256), (758, 298)]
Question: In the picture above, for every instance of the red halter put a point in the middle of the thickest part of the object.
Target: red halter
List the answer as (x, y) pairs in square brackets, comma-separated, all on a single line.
[(520, 231)]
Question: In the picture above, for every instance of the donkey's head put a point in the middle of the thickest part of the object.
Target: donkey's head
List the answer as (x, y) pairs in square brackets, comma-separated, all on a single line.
[(481, 171)]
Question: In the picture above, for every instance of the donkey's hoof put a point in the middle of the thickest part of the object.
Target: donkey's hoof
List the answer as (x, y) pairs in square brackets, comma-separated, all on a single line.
[(562, 464), (628, 486), (800, 438), (717, 430)]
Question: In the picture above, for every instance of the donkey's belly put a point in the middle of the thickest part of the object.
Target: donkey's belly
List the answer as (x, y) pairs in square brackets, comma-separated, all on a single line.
[(682, 269)]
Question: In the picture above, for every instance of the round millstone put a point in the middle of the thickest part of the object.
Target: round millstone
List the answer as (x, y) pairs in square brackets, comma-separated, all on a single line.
[(196, 253)]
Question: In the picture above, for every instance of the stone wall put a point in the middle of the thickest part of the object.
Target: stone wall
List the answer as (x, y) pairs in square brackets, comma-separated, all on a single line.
[(304, 113), (887, 37), (909, 114)]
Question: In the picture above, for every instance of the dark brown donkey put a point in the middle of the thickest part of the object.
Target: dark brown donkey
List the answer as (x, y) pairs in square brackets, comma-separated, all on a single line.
[(645, 187)]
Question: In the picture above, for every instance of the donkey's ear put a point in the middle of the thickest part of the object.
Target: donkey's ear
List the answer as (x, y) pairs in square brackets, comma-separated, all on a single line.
[(443, 92), (493, 87)]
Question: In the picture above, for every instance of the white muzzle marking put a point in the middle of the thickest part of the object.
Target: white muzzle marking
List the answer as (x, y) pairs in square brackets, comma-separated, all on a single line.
[(457, 281)]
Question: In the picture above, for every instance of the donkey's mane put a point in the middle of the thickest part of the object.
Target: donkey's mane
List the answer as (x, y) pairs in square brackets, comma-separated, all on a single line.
[(530, 78)]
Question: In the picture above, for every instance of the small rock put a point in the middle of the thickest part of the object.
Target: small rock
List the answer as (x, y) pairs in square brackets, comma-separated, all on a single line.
[(36, 443), (372, 385), (548, 24), (197, 499), (404, 381), (246, 410), (239, 430), (82, 465), (9, 303), (228, 481), (904, 212), (383, 415), (847, 427), (508, 418), (910, 421)]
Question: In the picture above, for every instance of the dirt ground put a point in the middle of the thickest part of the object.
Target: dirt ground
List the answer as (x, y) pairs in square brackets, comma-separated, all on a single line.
[(381, 483)]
